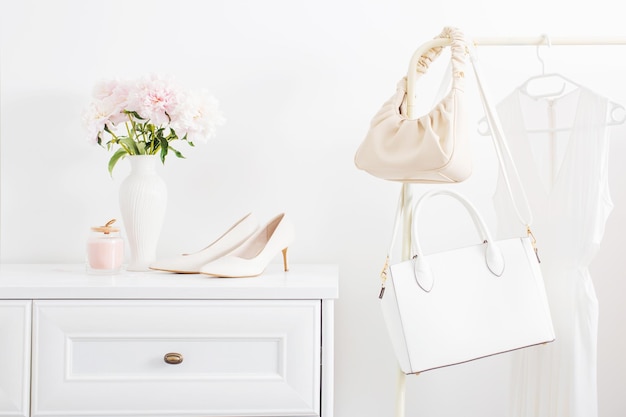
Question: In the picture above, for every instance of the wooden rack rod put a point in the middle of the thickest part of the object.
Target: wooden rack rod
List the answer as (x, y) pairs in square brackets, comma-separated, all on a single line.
[(549, 40)]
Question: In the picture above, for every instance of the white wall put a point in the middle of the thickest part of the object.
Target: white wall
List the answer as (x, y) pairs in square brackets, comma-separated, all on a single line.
[(298, 82)]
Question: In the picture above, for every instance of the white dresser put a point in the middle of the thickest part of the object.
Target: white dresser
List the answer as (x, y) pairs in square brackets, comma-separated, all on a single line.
[(157, 344)]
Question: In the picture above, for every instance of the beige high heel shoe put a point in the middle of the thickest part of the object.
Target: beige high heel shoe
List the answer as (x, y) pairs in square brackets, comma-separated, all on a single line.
[(253, 256), (191, 263)]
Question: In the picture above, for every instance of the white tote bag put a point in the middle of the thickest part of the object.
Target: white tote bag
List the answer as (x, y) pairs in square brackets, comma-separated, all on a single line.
[(463, 304)]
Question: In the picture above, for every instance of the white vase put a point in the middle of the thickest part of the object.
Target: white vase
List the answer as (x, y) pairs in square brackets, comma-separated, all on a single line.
[(143, 199)]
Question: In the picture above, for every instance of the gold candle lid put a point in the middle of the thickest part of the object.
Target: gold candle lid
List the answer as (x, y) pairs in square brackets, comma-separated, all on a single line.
[(107, 228)]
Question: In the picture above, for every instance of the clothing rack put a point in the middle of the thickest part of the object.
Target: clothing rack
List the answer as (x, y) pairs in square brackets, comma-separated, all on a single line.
[(537, 41), (548, 40)]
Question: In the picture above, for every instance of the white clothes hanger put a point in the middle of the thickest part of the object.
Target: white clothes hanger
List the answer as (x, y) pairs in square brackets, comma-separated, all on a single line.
[(617, 112), (544, 76)]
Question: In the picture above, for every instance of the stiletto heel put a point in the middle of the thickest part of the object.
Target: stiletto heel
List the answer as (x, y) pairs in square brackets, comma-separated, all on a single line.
[(253, 256), (286, 268), (191, 263)]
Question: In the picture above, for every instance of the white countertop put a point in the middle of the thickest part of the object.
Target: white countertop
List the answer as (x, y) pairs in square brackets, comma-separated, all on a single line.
[(71, 281)]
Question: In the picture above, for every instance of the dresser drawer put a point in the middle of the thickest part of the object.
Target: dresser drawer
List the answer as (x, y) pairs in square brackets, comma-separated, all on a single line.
[(14, 357), (106, 358)]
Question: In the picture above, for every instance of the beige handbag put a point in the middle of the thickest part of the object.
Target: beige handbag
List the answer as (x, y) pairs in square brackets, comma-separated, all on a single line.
[(433, 148)]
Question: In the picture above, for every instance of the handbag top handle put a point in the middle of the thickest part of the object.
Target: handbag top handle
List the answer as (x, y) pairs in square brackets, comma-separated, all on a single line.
[(427, 53), (493, 256)]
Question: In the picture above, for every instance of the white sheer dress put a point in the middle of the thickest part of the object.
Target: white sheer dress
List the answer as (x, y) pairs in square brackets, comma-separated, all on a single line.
[(564, 172)]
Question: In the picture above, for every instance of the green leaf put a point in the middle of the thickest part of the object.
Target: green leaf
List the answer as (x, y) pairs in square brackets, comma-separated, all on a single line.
[(177, 153), (164, 149), (121, 153), (141, 148), (134, 114), (106, 129), (131, 145)]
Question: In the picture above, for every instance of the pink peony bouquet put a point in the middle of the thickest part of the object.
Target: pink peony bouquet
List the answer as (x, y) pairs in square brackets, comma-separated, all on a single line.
[(145, 116)]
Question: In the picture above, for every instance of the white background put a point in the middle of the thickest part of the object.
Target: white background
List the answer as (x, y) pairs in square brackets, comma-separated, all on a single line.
[(298, 82)]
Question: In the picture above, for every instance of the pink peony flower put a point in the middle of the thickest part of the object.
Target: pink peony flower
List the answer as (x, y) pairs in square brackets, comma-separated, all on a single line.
[(145, 117), (110, 100), (94, 120), (154, 98), (198, 117)]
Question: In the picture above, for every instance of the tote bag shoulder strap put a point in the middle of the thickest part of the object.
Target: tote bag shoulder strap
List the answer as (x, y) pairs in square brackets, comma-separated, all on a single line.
[(509, 171), (394, 236), (510, 174)]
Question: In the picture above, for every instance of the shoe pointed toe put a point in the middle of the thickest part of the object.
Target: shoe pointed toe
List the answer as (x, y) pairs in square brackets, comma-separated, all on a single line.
[(253, 256), (229, 241)]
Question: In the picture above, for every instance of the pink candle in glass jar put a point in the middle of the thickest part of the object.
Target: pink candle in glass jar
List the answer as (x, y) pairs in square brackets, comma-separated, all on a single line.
[(105, 249)]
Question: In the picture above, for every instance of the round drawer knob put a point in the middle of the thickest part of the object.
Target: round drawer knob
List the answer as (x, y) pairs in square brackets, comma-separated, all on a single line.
[(173, 358)]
